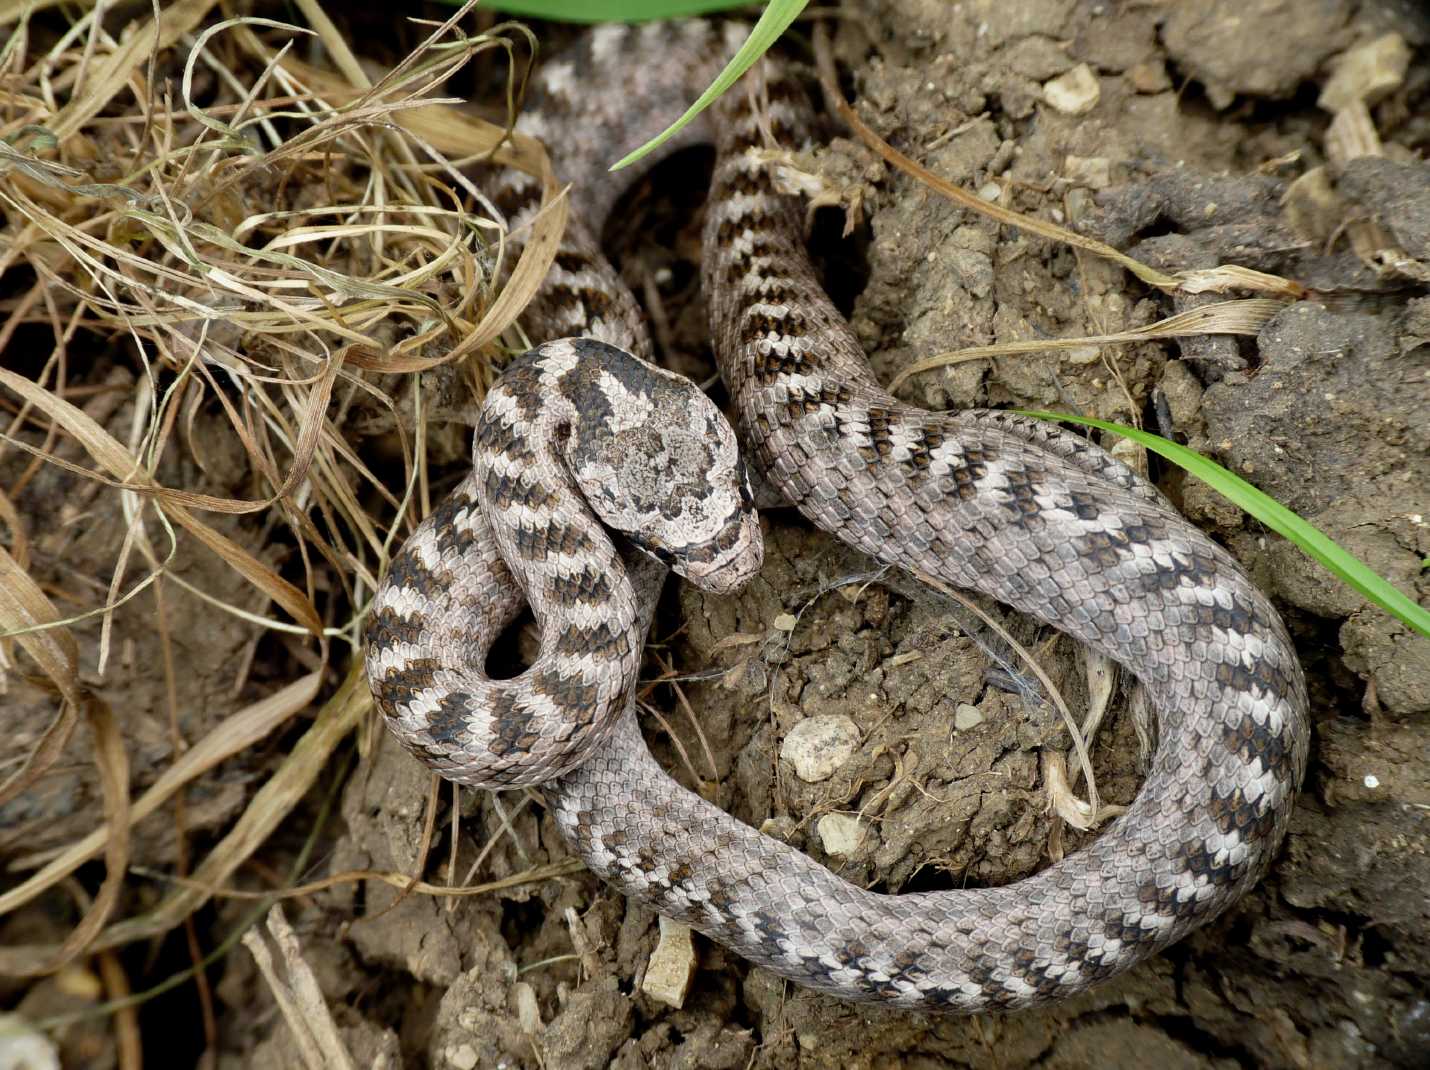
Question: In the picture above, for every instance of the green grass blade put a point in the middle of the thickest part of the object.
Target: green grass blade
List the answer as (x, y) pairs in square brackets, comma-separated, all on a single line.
[(777, 16), (609, 10), (1312, 541)]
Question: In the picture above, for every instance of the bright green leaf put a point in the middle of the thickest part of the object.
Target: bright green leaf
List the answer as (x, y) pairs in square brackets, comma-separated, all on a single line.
[(777, 16), (1312, 541)]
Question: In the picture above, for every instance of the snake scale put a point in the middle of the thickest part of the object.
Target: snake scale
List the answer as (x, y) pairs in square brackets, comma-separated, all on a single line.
[(1033, 516)]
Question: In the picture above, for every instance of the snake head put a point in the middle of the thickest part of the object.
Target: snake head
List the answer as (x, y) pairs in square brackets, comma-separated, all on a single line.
[(658, 462), (717, 555)]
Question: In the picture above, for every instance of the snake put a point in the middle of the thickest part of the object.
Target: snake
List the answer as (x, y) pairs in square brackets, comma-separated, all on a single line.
[(582, 436)]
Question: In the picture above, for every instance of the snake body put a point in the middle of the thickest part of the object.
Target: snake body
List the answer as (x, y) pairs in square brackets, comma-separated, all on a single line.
[(1040, 519)]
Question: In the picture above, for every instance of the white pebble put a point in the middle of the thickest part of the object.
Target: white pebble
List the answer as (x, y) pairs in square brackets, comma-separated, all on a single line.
[(966, 717), (528, 1011), (817, 746), (1073, 93), (841, 834), (1372, 781), (672, 965)]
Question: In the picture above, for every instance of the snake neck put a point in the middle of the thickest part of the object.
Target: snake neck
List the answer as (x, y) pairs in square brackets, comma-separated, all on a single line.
[(569, 108)]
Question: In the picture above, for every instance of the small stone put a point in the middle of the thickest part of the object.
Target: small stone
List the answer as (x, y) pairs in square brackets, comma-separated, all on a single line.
[(1150, 77), (841, 834), (462, 1057), (817, 746), (991, 191), (23, 1047), (966, 717), (1073, 93), (1183, 391), (672, 965), (1368, 73), (1082, 354), (785, 622), (528, 1011)]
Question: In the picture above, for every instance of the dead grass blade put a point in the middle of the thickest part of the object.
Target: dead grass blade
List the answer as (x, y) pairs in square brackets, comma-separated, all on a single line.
[(112, 761), (138, 42), (260, 248), (31, 619), (43, 755), (235, 734), (106, 450), (129, 1042), (404, 882), (174, 261), (271, 805), (11, 518), (310, 429), (531, 268), (446, 129), (1226, 317)]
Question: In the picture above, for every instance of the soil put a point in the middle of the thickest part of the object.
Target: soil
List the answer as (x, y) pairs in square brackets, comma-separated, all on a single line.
[(1185, 161)]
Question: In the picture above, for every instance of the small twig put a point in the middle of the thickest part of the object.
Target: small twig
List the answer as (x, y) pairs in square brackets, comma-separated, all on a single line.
[(297, 992), (429, 825), (670, 677), (675, 741)]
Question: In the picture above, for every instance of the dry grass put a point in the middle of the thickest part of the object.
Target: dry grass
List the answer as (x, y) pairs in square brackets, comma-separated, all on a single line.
[(287, 242)]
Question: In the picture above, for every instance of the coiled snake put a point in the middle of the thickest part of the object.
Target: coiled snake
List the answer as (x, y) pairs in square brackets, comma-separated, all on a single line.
[(1038, 518)]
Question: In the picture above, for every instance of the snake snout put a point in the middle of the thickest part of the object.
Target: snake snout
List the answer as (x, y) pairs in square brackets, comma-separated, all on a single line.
[(730, 560)]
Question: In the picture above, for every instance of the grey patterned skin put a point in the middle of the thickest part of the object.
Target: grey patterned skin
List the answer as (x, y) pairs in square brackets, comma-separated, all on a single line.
[(575, 437), (1036, 517)]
